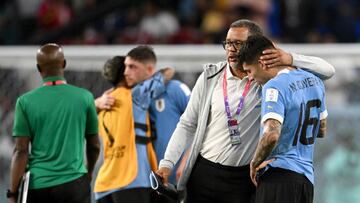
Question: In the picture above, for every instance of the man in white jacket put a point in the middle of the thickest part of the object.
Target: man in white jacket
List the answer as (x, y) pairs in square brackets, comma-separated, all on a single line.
[(221, 123)]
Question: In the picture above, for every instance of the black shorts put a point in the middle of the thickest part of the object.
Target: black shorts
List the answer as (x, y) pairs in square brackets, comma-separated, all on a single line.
[(278, 185), (142, 195), (213, 182), (75, 191)]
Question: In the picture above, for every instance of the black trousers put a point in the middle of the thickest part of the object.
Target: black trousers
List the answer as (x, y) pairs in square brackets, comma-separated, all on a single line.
[(158, 198), (76, 191), (213, 182), (278, 185), (134, 195)]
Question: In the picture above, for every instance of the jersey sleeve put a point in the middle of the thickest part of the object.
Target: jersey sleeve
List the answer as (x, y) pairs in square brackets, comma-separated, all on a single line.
[(273, 103), (91, 118), (145, 92), (181, 96), (323, 109), (21, 125)]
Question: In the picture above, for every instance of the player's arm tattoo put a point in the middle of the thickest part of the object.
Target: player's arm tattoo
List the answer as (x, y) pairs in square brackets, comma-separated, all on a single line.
[(322, 129), (271, 134)]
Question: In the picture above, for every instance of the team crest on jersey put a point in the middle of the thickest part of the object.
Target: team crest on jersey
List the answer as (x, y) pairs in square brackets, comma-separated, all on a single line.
[(271, 95), (160, 105)]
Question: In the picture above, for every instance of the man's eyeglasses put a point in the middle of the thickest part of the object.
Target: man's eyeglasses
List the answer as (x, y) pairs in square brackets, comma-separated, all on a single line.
[(235, 44)]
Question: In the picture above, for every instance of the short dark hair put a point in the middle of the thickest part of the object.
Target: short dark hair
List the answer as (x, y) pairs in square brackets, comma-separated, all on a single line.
[(254, 28), (143, 53), (252, 48), (113, 70)]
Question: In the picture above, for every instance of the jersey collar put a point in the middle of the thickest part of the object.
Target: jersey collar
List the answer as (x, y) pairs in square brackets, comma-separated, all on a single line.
[(53, 78), (285, 70)]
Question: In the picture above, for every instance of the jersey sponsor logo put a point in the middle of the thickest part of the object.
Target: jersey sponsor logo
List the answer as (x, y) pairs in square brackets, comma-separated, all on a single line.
[(160, 105), (271, 95)]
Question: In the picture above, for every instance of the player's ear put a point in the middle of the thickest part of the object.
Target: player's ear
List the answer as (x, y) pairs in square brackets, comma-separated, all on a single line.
[(262, 64), (150, 68)]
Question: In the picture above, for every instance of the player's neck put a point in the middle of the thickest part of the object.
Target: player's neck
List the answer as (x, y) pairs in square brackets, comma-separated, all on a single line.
[(276, 71), (45, 75), (122, 83)]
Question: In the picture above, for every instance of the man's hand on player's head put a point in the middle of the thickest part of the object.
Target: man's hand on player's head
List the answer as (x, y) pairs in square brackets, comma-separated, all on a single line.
[(276, 57)]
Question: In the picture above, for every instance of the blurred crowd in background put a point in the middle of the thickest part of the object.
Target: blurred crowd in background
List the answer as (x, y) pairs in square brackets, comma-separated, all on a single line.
[(174, 21)]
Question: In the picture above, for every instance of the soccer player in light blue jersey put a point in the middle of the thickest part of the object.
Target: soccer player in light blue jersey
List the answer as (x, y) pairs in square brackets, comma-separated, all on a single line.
[(139, 74), (293, 115), (165, 113)]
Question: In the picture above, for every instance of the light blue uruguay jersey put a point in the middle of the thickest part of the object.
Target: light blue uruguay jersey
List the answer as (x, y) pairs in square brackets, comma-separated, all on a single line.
[(296, 99), (142, 96), (165, 113)]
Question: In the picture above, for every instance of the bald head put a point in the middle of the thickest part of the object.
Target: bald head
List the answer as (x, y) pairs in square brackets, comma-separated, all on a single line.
[(50, 60)]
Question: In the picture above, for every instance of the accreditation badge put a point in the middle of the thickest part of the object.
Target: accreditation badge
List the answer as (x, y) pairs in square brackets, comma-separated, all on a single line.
[(234, 132)]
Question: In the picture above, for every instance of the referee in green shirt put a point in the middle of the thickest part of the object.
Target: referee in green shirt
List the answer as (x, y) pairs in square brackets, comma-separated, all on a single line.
[(58, 119)]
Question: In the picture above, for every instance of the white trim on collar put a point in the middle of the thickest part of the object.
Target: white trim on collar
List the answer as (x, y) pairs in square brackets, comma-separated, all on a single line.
[(285, 70)]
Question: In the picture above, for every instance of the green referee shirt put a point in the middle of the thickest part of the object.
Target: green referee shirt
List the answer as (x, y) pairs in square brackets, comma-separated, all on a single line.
[(57, 118)]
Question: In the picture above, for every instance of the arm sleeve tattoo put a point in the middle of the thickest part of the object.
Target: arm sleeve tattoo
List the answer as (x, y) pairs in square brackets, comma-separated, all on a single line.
[(267, 143)]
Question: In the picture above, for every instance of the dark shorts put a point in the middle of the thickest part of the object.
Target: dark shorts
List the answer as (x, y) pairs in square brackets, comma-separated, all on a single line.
[(278, 185), (76, 191), (213, 182), (132, 195), (158, 198)]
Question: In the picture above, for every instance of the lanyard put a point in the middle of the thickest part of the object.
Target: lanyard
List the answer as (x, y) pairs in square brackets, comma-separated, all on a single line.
[(226, 99), (57, 82)]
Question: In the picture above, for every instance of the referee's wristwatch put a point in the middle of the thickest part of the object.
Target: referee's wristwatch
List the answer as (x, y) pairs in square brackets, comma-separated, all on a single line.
[(10, 194)]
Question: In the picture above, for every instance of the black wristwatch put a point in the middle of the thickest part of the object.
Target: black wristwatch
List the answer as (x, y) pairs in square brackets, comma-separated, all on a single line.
[(10, 194)]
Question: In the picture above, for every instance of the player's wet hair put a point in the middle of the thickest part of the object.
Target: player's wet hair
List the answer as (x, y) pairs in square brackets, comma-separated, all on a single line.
[(253, 47), (113, 70)]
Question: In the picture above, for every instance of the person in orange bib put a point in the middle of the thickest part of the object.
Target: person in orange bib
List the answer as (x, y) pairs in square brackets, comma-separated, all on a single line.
[(125, 128)]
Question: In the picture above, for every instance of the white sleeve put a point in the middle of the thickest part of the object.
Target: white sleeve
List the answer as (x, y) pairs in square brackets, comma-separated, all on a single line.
[(315, 65)]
